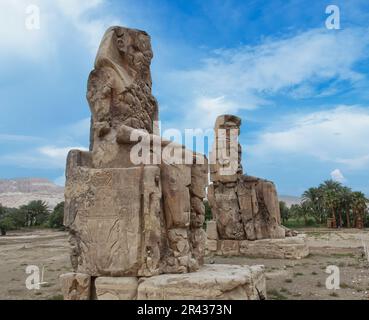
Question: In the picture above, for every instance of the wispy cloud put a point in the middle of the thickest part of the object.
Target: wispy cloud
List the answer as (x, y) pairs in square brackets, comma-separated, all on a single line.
[(338, 135), (46, 157), (46, 153), (19, 138), (37, 45), (247, 77), (337, 175)]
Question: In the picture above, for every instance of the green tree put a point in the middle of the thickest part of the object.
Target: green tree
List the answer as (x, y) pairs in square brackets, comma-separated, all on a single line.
[(6, 222), (314, 197), (57, 216), (359, 207), (36, 213), (346, 203), (330, 190), (285, 211), (18, 217)]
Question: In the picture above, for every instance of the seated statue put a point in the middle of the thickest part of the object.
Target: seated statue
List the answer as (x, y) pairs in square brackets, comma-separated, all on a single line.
[(244, 207), (129, 218)]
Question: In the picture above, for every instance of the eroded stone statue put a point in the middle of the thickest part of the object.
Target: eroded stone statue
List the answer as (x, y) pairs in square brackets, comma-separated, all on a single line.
[(128, 219), (134, 202), (244, 207)]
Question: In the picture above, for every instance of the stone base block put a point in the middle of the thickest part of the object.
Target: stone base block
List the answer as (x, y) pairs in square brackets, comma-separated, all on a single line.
[(211, 230), (287, 248), (122, 288), (76, 286), (211, 282)]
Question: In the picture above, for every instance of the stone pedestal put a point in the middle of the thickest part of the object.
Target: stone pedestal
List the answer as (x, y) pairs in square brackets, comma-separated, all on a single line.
[(75, 286), (287, 248), (211, 282)]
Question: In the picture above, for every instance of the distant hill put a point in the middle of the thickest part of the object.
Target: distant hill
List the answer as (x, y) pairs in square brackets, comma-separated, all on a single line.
[(17, 192), (290, 200)]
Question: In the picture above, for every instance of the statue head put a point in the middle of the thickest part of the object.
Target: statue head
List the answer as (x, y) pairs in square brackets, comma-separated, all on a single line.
[(128, 48)]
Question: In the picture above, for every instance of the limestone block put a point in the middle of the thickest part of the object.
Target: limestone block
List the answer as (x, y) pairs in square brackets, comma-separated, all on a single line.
[(175, 182), (211, 282), (269, 194), (287, 248), (110, 217), (178, 239), (211, 230), (198, 243), (212, 245), (229, 247), (199, 179), (116, 288), (76, 286), (228, 217), (197, 212)]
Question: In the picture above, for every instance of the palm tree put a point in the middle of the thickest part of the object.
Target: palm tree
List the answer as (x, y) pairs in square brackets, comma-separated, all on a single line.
[(345, 203), (284, 210), (313, 196), (36, 213), (330, 190), (359, 205)]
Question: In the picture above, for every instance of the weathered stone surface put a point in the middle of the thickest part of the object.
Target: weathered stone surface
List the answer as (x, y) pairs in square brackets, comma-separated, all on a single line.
[(244, 207), (75, 286), (229, 247), (287, 248), (198, 244), (116, 288), (110, 228), (212, 245), (211, 230), (211, 282), (176, 180), (132, 211)]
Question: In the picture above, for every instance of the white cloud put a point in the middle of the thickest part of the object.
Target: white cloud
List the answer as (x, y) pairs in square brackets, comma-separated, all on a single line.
[(57, 155), (16, 40), (46, 157), (18, 138), (55, 16), (337, 175), (42, 153), (338, 135), (206, 110), (247, 76), (92, 29)]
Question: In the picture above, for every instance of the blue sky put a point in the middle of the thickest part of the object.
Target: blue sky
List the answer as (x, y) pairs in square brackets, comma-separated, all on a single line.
[(300, 89)]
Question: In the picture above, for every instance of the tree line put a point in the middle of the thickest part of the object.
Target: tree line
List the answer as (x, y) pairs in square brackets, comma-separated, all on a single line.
[(332, 204), (34, 214)]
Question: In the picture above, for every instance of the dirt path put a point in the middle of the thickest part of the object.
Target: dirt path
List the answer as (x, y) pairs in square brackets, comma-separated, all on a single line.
[(305, 279), (46, 249), (286, 279)]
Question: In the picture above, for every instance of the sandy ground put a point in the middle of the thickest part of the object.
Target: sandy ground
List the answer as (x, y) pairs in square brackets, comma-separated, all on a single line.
[(286, 279), (46, 249), (305, 279)]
